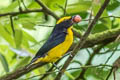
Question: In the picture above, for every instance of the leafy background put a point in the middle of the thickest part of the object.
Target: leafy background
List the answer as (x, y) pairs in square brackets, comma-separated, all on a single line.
[(33, 29)]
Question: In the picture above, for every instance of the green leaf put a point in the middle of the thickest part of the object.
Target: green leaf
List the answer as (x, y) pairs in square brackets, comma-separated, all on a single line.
[(25, 43), (4, 63), (69, 75), (22, 62), (113, 45), (29, 37), (113, 5), (76, 73), (53, 4), (96, 73), (107, 21), (18, 37), (77, 62), (99, 28), (11, 7), (33, 5), (80, 6), (6, 36), (28, 23)]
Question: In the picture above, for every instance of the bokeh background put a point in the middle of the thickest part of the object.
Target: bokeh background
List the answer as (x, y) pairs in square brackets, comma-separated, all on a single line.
[(31, 30)]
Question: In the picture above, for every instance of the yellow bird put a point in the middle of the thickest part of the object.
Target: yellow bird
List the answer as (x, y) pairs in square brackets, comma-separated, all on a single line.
[(59, 41)]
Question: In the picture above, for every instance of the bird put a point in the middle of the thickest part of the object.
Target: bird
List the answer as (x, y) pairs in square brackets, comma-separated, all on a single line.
[(59, 41)]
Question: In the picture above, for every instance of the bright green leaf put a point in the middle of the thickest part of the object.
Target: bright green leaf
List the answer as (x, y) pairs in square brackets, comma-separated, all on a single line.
[(29, 37), (96, 7), (6, 36), (4, 62), (22, 62), (18, 37), (80, 6), (11, 7)]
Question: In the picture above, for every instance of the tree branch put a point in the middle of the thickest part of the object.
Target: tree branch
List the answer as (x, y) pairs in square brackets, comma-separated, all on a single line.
[(12, 26), (22, 12), (83, 39), (17, 73), (47, 10)]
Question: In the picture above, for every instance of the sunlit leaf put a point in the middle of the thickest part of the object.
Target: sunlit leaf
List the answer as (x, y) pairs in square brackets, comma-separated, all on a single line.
[(80, 6), (69, 75), (18, 37), (6, 35), (106, 22), (4, 62), (11, 7), (97, 73), (28, 37), (28, 23), (22, 62)]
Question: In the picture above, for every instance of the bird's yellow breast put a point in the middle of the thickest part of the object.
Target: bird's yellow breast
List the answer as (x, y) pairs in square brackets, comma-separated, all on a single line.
[(58, 51)]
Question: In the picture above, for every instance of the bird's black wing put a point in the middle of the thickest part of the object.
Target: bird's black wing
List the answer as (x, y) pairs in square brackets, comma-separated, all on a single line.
[(55, 39)]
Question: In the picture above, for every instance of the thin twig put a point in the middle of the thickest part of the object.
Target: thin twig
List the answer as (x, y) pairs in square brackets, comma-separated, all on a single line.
[(24, 4), (109, 50), (18, 13), (109, 73), (45, 25), (111, 55), (102, 18), (12, 26), (20, 8), (65, 7), (88, 51), (107, 62)]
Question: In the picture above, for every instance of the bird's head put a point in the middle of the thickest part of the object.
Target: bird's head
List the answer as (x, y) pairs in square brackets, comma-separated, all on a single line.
[(69, 21)]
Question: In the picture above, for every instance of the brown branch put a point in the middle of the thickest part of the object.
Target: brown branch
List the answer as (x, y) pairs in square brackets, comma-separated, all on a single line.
[(17, 73), (83, 39), (47, 10), (44, 9), (22, 12), (105, 36)]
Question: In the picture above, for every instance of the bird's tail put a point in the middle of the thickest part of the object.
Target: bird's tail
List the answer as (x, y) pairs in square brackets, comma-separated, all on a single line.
[(31, 63)]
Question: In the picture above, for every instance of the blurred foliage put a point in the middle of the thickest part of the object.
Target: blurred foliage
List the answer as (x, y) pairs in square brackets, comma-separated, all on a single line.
[(17, 49)]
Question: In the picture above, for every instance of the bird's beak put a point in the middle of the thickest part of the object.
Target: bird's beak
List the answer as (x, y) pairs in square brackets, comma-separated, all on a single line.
[(76, 19)]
